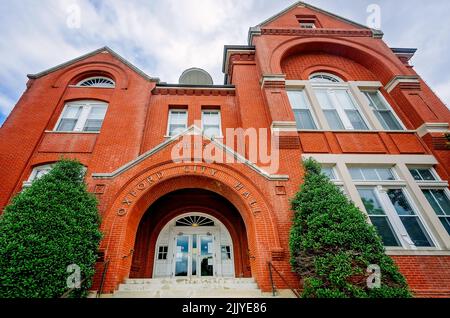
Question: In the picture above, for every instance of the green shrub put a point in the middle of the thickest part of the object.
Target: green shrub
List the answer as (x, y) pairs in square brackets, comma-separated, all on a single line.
[(332, 244), (47, 227)]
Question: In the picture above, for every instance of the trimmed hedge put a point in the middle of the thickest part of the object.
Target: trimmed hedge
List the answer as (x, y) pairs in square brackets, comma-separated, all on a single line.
[(46, 228), (332, 244)]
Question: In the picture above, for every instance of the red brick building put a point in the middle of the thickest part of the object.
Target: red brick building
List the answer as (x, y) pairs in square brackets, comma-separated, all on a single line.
[(327, 87)]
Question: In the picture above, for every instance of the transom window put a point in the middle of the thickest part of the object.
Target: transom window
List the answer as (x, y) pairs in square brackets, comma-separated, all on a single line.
[(340, 109), (424, 174), (371, 174), (382, 110), (177, 121), (329, 172), (211, 123), (80, 116), (324, 78), (98, 81), (302, 109), (391, 212), (194, 221)]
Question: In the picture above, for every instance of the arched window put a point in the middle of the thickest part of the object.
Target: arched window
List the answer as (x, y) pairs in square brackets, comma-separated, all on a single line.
[(97, 81), (324, 78), (194, 221)]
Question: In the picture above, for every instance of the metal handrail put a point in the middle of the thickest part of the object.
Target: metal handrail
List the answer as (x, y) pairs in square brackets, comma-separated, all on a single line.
[(105, 269), (67, 293), (294, 291)]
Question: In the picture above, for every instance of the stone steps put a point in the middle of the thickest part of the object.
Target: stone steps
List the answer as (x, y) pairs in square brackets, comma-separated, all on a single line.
[(191, 288)]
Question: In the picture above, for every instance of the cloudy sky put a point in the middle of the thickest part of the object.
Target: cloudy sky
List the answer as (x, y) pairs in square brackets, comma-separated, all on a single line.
[(167, 36)]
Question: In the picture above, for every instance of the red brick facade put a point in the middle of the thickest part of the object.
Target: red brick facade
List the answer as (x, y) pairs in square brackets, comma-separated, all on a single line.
[(135, 198)]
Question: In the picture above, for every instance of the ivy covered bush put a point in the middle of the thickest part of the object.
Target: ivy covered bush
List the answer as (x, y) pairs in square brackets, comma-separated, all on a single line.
[(332, 245), (47, 227)]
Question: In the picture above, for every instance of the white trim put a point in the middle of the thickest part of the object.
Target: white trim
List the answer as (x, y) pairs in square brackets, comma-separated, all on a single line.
[(220, 121), (429, 128), (86, 106), (284, 126), (79, 84), (197, 131), (168, 237), (325, 74), (169, 118), (281, 78), (401, 79)]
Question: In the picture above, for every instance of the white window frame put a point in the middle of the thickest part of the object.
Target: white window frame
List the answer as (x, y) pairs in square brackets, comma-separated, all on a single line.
[(35, 171), (169, 120), (375, 167), (308, 25), (331, 87), (393, 217), (220, 121), (96, 86), (309, 105), (86, 106), (437, 184), (388, 106), (337, 79)]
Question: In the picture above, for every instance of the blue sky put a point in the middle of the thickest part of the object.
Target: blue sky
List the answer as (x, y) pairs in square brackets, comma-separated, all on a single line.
[(165, 37)]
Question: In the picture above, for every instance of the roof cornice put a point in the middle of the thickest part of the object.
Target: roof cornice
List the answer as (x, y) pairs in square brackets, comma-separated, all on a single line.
[(85, 56), (255, 31)]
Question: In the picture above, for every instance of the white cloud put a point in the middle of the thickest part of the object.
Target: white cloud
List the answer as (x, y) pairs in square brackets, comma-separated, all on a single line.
[(165, 37)]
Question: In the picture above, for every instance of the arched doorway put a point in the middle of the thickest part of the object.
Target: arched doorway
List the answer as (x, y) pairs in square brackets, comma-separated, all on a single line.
[(191, 233), (194, 245)]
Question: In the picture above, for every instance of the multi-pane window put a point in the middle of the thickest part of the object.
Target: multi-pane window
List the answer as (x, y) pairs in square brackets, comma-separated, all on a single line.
[(438, 197), (339, 109), (329, 172), (82, 116), (302, 109), (394, 217), (409, 218), (177, 121), (371, 174), (98, 81), (162, 252), (422, 174), (382, 110), (378, 217), (211, 123), (226, 252), (440, 202), (324, 78), (307, 25)]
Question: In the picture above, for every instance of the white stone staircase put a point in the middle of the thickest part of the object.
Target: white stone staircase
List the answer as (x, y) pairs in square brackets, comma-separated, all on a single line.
[(191, 288)]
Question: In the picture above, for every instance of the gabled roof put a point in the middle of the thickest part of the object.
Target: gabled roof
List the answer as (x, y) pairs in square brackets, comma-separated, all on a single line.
[(192, 130), (377, 33), (102, 49)]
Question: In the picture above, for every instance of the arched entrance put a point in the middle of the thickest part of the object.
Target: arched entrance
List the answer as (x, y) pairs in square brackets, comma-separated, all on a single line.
[(194, 245), (191, 233)]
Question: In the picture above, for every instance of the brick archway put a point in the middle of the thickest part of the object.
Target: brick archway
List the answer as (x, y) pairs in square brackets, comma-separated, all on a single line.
[(124, 216), (186, 201)]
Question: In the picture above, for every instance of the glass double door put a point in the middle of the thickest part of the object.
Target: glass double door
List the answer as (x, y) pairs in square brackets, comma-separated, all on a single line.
[(194, 255)]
